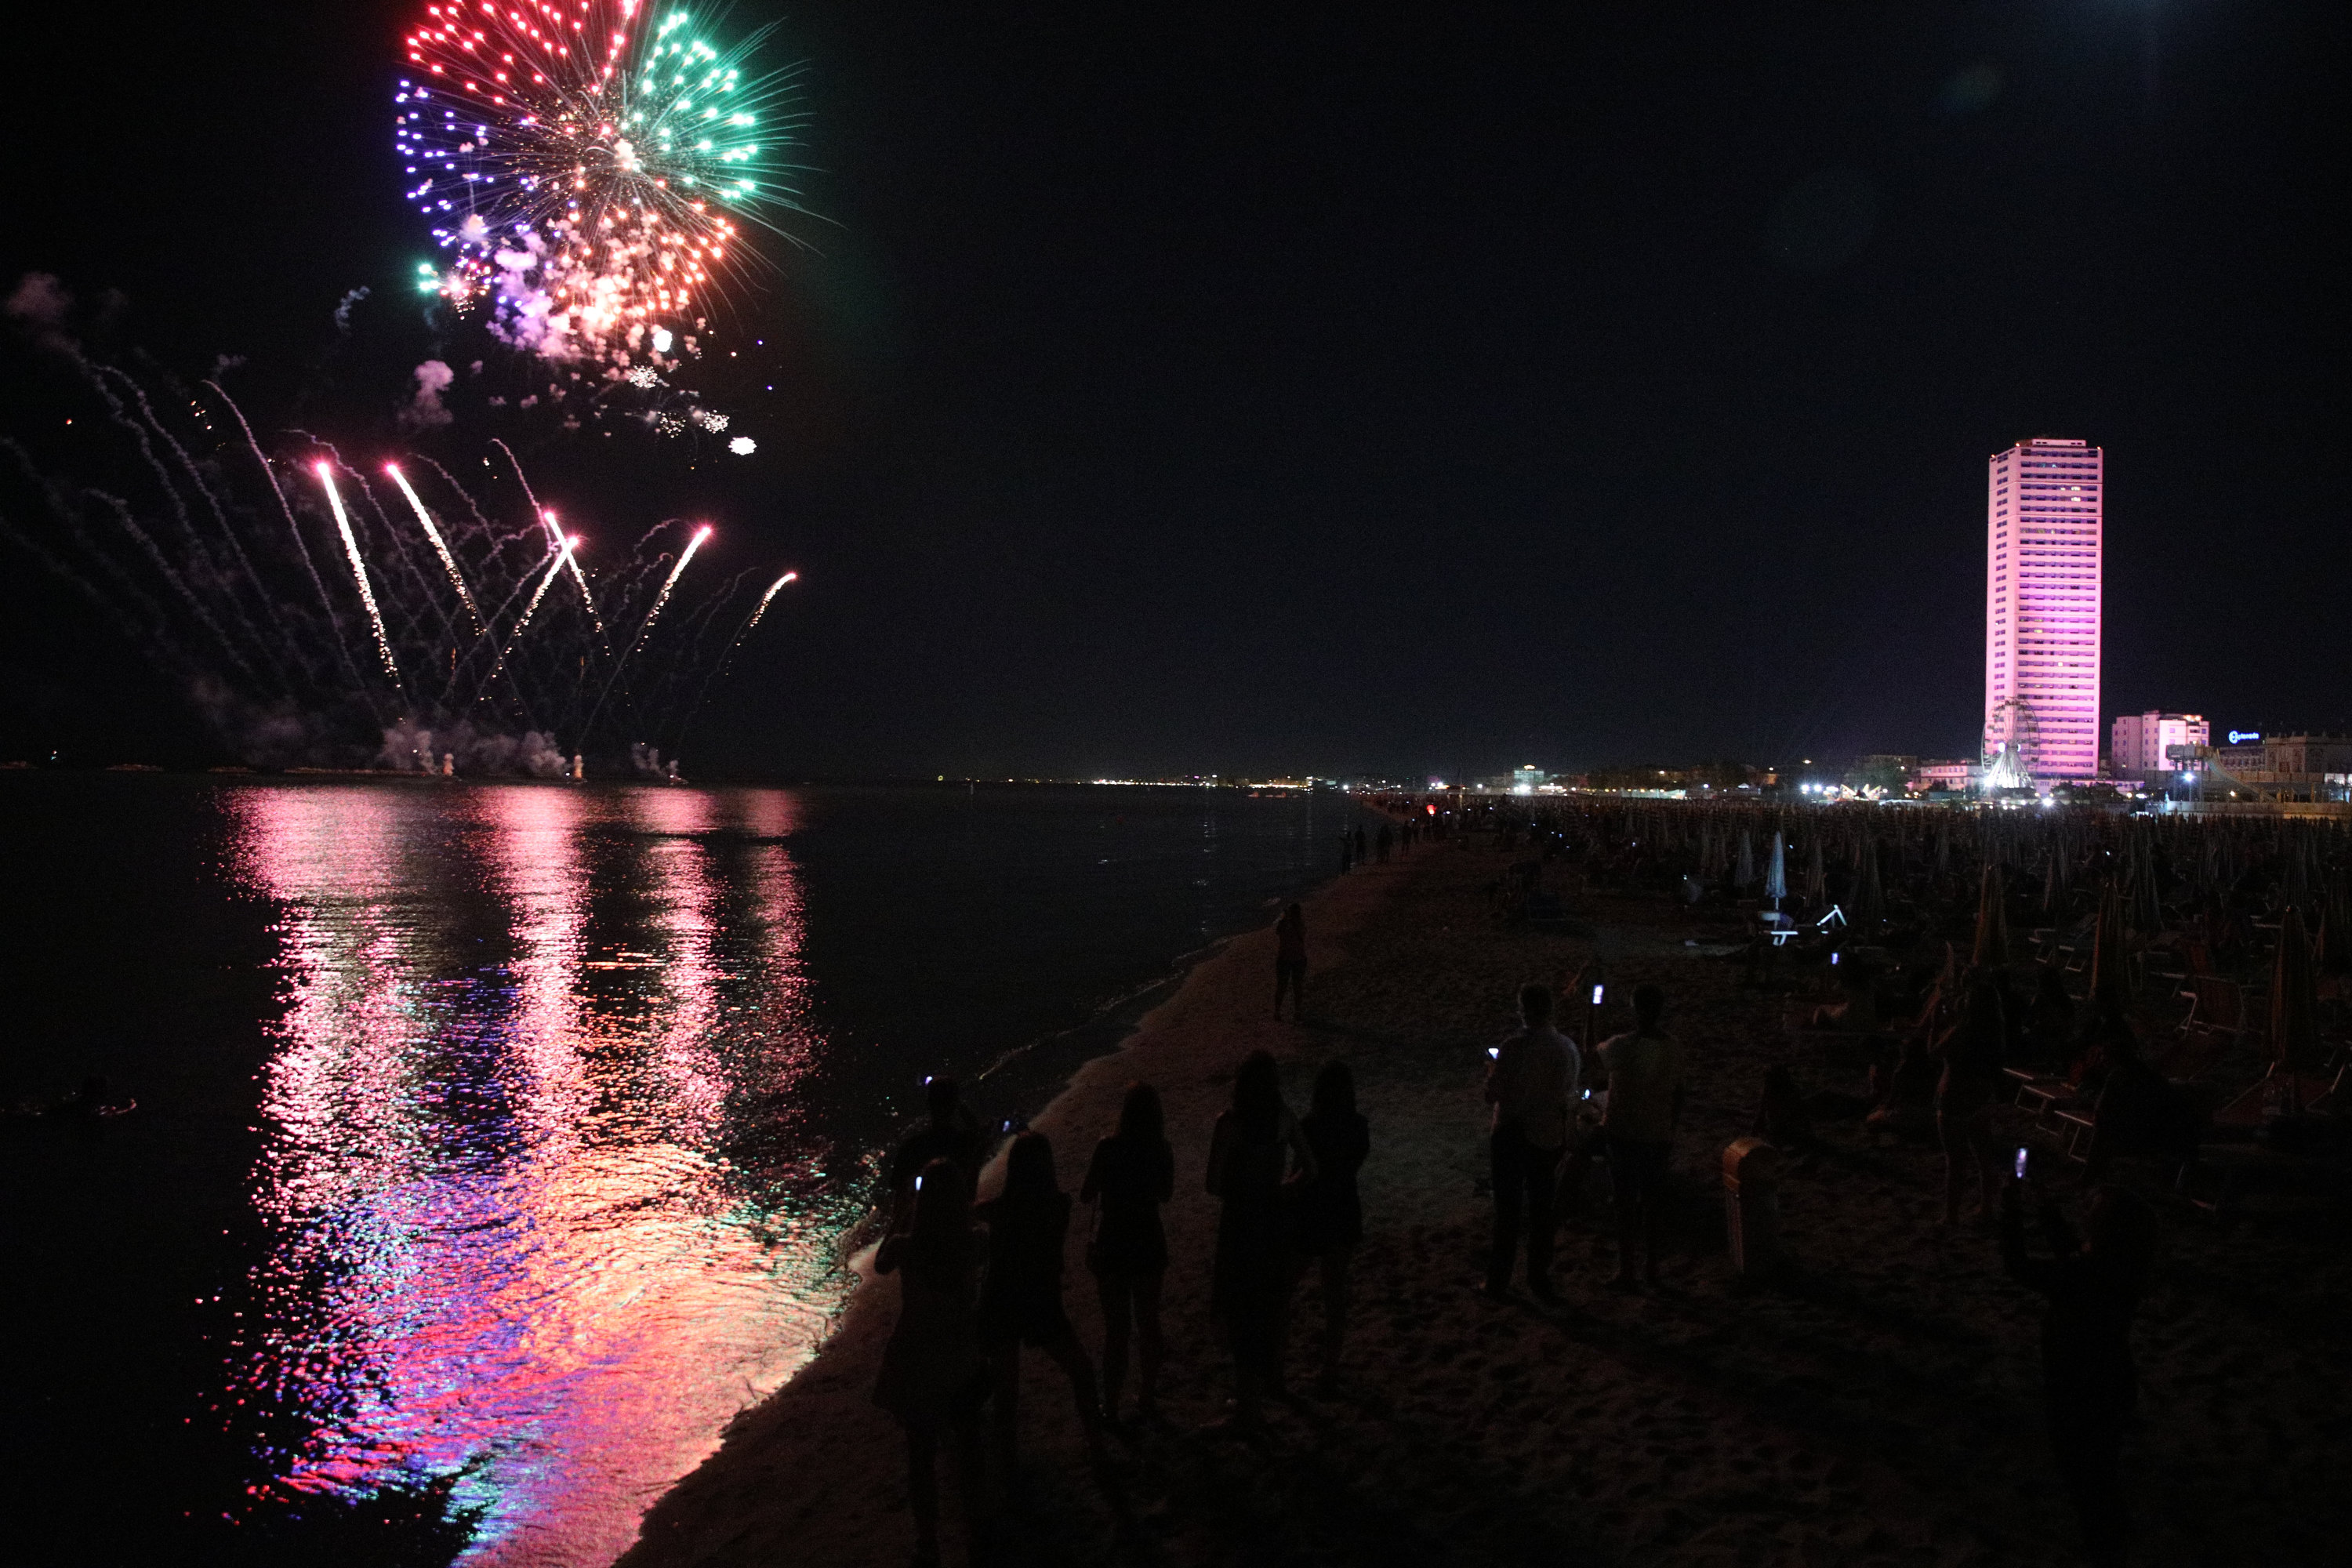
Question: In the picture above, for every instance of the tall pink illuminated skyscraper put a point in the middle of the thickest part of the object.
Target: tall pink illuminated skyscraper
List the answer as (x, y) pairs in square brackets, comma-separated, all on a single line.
[(2042, 531)]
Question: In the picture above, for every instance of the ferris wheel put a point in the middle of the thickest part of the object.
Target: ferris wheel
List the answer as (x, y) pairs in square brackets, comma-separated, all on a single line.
[(2010, 732)]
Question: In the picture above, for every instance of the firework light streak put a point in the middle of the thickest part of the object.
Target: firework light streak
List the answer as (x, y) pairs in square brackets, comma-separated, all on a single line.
[(254, 630), (326, 473), (764, 598), (669, 583), (562, 556), (440, 547)]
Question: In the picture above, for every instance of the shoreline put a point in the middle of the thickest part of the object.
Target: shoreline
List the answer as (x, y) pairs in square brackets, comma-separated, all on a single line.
[(816, 1472), (1878, 1407)]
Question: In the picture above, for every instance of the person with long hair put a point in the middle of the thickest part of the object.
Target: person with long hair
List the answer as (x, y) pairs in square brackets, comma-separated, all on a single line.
[(933, 1378), (1971, 1050), (1133, 1173), (1330, 1210), (1022, 1302), (1248, 1152), (2093, 1286)]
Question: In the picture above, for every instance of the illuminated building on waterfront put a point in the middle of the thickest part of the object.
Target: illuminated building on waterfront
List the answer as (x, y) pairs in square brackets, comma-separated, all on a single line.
[(2042, 534), (2143, 742)]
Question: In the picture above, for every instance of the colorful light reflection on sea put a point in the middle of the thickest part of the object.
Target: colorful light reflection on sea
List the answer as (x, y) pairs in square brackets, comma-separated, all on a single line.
[(526, 1156)]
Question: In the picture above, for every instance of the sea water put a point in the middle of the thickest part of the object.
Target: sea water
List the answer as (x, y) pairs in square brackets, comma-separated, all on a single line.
[(506, 1133)]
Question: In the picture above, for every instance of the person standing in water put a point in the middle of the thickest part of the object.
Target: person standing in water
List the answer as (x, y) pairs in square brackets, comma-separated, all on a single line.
[(1132, 1173), (1290, 960)]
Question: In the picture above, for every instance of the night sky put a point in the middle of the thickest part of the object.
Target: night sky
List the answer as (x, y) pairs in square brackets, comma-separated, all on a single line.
[(1338, 388)]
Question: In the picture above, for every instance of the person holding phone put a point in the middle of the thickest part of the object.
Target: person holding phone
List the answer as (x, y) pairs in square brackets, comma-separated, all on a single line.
[(950, 1134), (933, 1378), (1531, 1082), (2093, 1285)]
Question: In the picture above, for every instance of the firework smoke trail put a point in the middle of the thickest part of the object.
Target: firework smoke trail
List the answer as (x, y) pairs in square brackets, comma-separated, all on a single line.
[(651, 616), (555, 535), (562, 556), (743, 631), (301, 549), (425, 520), (326, 473)]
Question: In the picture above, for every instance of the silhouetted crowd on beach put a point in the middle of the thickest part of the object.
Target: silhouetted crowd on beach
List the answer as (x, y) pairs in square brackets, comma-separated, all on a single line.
[(1942, 1041), (982, 1280)]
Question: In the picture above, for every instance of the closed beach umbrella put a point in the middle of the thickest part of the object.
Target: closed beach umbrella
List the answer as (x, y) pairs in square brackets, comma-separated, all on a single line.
[(2294, 1000), (1817, 877), (1869, 897), (2107, 951), (2337, 956), (1746, 876), (2294, 891), (1776, 873), (1992, 920), (2146, 913)]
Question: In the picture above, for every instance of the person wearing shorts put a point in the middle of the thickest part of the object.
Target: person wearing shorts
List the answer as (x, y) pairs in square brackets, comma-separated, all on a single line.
[(1646, 1087)]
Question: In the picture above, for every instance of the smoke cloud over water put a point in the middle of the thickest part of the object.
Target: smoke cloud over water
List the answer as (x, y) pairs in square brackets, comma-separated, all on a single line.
[(462, 748)]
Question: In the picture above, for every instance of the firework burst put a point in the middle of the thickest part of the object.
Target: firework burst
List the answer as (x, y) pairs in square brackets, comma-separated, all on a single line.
[(589, 167)]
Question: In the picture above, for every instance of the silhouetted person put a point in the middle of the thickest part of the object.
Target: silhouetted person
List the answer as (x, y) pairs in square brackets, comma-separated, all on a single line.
[(2051, 1023), (1247, 1153), (1133, 1173), (1646, 1087), (1784, 1120), (1290, 960), (951, 1133), (1360, 844), (2138, 1113), (1381, 842), (1531, 1083), (932, 1377), (1970, 1080), (1331, 1212), (1021, 1303), (1347, 852), (2088, 1382)]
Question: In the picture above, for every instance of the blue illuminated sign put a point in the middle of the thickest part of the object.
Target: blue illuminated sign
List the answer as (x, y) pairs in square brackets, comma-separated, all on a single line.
[(2243, 737)]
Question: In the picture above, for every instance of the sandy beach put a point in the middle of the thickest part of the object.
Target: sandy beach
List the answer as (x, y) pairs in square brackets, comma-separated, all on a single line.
[(1879, 1406)]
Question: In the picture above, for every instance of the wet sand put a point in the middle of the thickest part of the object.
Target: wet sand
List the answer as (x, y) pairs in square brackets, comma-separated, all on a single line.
[(1879, 1407)]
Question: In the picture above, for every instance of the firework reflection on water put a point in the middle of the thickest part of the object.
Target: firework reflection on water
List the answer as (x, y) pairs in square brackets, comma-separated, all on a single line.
[(521, 1165)]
